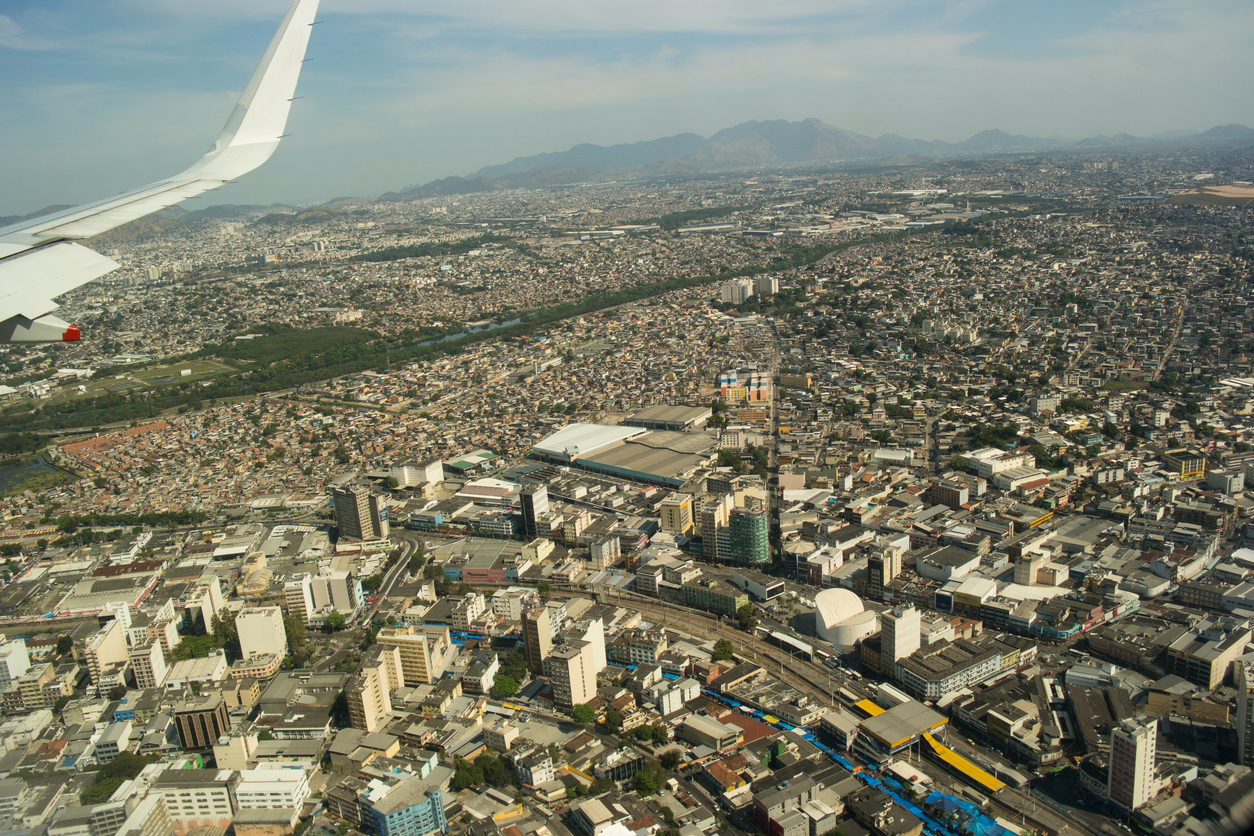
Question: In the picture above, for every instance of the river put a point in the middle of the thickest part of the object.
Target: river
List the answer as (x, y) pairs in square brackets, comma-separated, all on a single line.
[(490, 327)]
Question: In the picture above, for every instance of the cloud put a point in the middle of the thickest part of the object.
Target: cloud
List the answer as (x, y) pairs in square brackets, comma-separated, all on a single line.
[(400, 92), (13, 36)]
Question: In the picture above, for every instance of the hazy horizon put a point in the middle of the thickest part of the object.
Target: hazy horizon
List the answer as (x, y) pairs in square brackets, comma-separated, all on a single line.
[(105, 97)]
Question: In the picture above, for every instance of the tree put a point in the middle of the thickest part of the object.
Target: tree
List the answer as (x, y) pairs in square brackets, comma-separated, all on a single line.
[(668, 815), (117, 692), (583, 714), (600, 785), (747, 617), (393, 482), (466, 775), (295, 629), (514, 666), (643, 783), (336, 621), (495, 771), (544, 590), (723, 649), (265, 734), (613, 721), (123, 767), (65, 644), (504, 686), (225, 633), (670, 759)]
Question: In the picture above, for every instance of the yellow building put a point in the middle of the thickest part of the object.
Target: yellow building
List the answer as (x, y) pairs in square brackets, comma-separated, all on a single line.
[(676, 511), (425, 651)]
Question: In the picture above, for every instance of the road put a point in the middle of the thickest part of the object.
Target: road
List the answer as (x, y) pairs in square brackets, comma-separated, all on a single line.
[(1171, 346)]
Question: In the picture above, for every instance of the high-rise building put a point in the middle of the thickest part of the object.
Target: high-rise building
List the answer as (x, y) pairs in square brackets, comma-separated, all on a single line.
[(715, 513), (535, 508), (204, 603), (261, 632), (298, 597), (14, 661), (605, 551), (1244, 669), (749, 535), (311, 597), (573, 666), (569, 667), (425, 651), (198, 797), (736, 291), (266, 789), (151, 817), (148, 663), (104, 648), (766, 285), (201, 722), (537, 637), (360, 514), (676, 511), (883, 566), (369, 691), (901, 631), (412, 806), (1133, 750)]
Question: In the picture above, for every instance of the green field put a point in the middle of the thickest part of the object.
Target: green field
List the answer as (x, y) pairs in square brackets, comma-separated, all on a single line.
[(153, 377), (163, 375), (1125, 385)]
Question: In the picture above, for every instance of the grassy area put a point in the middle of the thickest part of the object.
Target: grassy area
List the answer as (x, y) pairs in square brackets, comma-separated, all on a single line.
[(1125, 385), (141, 379), (200, 369)]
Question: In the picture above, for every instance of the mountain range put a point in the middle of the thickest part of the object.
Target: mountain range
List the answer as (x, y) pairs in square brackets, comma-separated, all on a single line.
[(777, 142)]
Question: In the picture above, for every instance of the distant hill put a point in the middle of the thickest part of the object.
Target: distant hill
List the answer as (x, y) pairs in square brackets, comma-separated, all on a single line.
[(600, 158), (753, 144), (164, 220), (47, 210)]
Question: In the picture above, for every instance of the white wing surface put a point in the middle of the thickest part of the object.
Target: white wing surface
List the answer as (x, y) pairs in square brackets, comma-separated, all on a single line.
[(36, 263)]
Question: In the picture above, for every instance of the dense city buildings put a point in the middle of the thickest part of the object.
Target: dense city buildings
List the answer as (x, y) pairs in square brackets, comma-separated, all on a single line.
[(937, 467)]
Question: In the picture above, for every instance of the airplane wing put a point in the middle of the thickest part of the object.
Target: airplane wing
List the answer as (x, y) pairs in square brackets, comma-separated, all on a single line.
[(38, 259)]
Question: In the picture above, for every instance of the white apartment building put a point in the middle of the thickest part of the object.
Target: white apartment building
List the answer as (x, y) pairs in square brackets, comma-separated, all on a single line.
[(1133, 750), (271, 789), (14, 661), (261, 632), (149, 665)]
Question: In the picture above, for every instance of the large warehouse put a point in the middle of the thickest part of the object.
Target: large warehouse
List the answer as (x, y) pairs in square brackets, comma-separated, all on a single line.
[(658, 457), (663, 417)]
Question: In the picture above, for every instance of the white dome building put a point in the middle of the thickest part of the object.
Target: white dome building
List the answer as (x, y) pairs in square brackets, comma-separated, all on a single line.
[(841, 619)]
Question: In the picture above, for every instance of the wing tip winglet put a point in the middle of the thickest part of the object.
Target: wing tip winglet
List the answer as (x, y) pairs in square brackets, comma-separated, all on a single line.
[(72, 335)]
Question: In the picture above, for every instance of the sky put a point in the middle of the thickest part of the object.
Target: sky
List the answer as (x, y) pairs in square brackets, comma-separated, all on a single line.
[(104, 95)]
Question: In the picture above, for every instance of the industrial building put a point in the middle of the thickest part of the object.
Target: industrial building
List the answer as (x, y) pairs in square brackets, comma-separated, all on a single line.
[(665, 417), (661, 457)]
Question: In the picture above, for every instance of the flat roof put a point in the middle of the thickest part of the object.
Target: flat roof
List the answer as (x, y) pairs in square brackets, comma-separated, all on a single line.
[(659, 456), (902, 723), (580, 440), (671, 414)]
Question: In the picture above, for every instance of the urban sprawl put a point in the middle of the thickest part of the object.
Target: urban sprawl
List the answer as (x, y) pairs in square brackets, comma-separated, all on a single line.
[(870, 502)]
